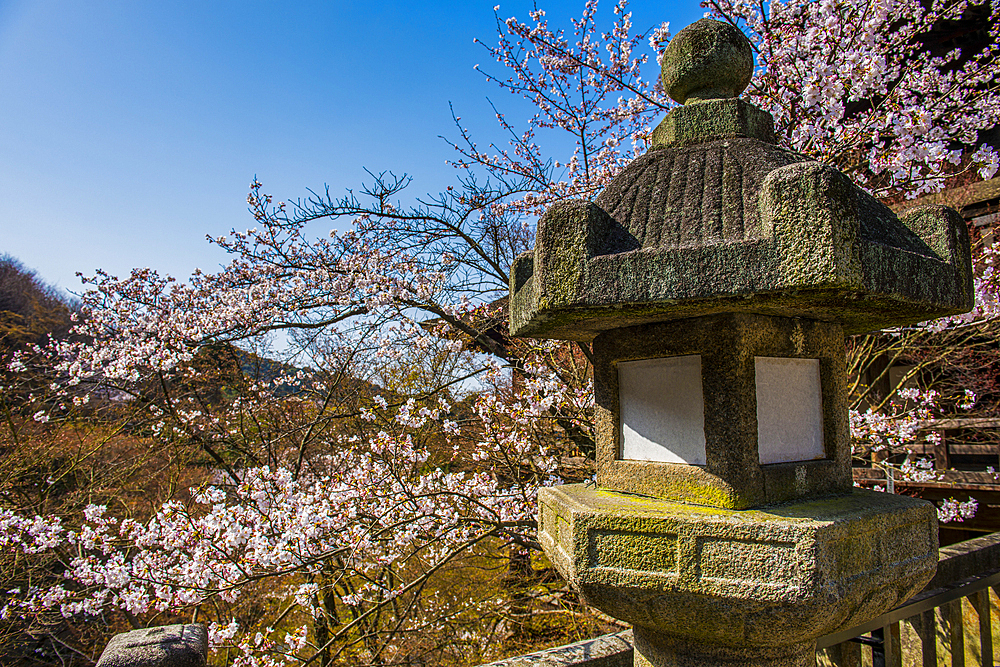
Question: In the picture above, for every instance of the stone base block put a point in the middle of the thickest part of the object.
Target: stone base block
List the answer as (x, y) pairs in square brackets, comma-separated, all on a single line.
[(773, 577)]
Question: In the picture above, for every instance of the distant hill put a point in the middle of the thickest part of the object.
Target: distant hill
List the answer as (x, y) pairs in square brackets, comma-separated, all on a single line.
[(30, 309)]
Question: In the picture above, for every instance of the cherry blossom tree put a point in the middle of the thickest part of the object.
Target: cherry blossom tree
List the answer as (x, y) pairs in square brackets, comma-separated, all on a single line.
[(397, 444), (878, 89)]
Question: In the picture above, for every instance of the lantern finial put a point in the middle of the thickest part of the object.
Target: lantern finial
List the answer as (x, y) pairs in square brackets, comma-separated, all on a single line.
[(707, 60)]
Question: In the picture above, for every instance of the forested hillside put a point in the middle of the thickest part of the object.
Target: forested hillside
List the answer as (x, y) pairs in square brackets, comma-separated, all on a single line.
[(30, 310)]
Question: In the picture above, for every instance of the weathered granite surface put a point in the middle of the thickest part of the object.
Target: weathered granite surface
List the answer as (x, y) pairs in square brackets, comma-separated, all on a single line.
[(746, 581), (737, 225), (165, 646), (653, 649), (722, 119)]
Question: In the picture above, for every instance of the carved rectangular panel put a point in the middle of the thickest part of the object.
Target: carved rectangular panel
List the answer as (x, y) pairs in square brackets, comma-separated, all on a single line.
[(747, 562), (646, 553)]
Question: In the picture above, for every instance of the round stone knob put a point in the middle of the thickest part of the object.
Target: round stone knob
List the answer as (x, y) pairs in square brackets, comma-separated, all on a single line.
[(707, 60)]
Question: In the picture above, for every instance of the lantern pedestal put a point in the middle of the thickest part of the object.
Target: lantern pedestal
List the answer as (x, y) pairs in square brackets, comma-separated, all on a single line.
[(711, 586)]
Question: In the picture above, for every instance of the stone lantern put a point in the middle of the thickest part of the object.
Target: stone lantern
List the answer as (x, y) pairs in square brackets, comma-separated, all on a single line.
[(717, 276)]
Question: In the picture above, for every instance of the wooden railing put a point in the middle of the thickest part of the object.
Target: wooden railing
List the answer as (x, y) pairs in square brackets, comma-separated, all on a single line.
[(954, 621), (942, 451)]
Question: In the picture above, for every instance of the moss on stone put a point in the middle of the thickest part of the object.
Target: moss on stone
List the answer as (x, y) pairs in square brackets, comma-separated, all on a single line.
[(713, 120), (728, 345)]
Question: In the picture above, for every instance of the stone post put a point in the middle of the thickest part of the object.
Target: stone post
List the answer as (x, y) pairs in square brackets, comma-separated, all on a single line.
[(717, 276), (165, 646)]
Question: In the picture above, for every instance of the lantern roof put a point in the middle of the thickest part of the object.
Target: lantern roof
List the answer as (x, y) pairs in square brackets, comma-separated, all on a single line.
[(716, 218)]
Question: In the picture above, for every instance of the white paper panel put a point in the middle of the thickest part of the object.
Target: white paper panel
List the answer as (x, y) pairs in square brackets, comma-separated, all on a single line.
[(789, 410), (662, 410)]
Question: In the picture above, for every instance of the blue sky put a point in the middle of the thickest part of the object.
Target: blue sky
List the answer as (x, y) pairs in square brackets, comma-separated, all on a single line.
[(129, 130)]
